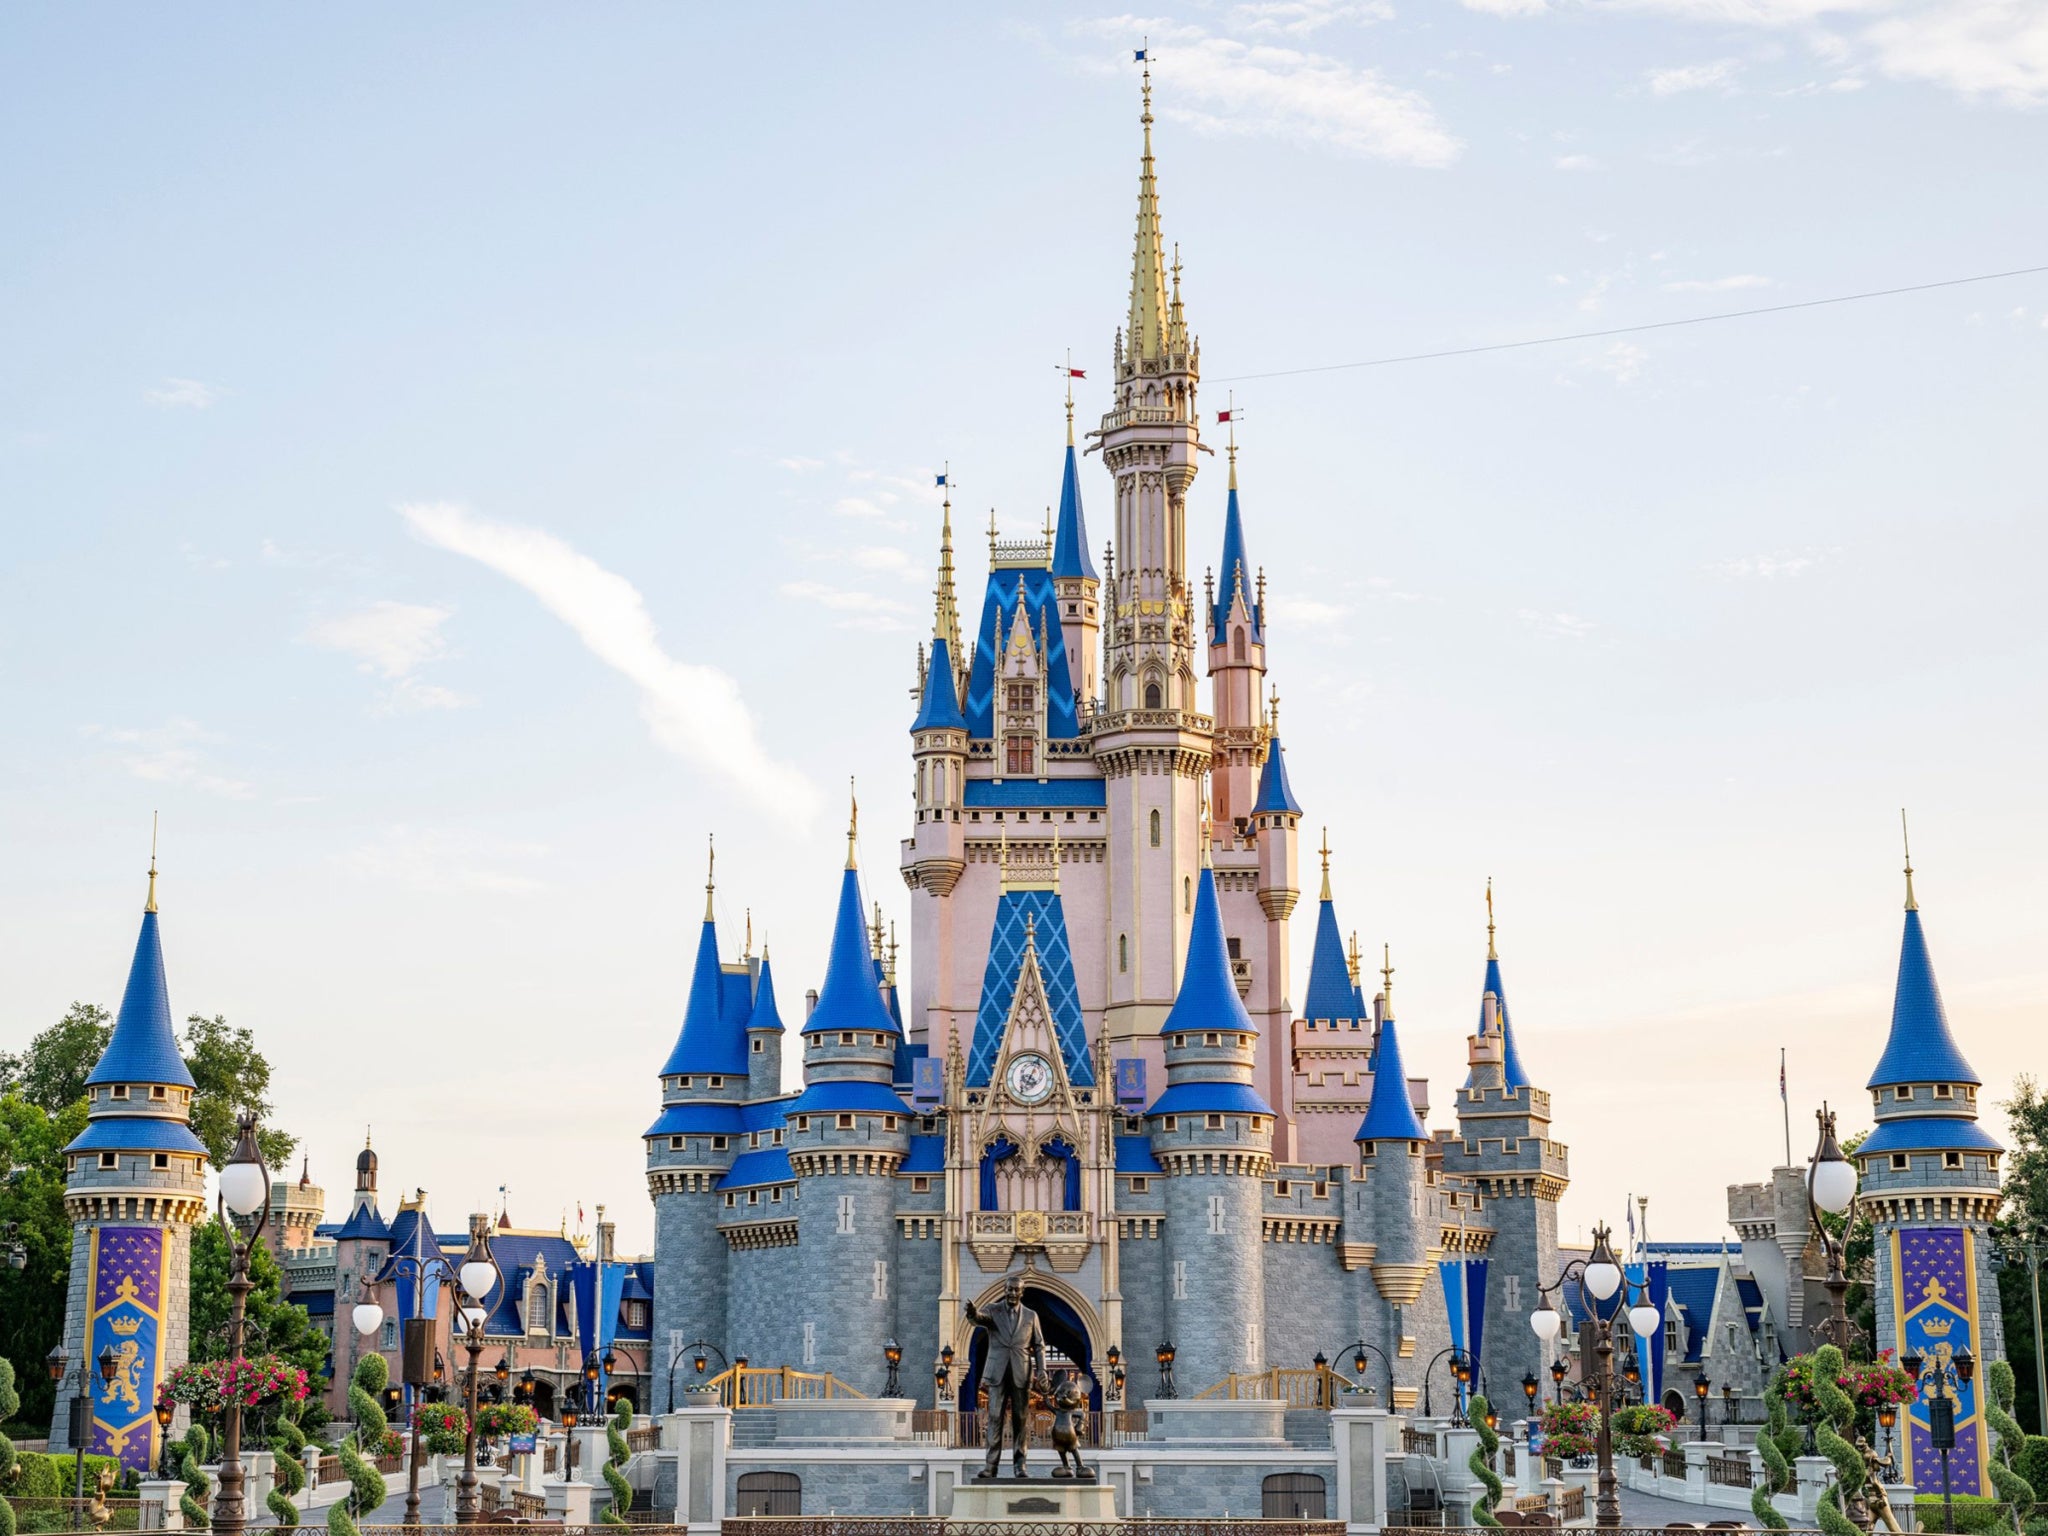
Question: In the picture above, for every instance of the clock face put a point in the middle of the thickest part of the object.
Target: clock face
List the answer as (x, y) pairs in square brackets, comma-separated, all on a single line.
[(1029, 1077)]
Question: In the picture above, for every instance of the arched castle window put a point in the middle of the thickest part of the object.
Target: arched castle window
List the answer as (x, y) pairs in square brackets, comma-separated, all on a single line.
[(1187, 894), (1152, 696), (1155, 829), (537, 1307), (1237, 646), (1123, 949)]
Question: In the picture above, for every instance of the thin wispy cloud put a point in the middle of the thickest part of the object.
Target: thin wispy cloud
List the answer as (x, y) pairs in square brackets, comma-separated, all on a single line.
[(1718, 284), (178, 752), (1557, 626), (1691, 77), (1293, 612), (1621, 362), (426, 859), (393, 641), (181, 394), (1246, 85), (1774, 567), (693, 710), (1576, 163), (1298, 18), (853, 608)]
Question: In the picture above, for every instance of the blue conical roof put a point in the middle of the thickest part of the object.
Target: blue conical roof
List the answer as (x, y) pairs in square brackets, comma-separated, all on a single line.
[(1235, 568), (1330, 993), (939, 710), (1208, 997), (1391, 1115), (851, 998), (1276, 795), (1920, 1048), (1511, 1059), (1070, 542), (710, 1041), (765, 1015), (144, 1047)]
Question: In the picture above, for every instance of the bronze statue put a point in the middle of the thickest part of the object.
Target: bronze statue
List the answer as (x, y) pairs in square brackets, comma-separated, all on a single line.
[(1016, 1361), (1068, 1397)]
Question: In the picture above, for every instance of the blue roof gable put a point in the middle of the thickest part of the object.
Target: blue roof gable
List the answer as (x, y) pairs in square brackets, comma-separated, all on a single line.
[(1070, 543), (998, 609), (366, 1222), (1928, 1133), (136, 1133), (1276, 795), (1330, 992), (765, 1014), (840, 1094), (1208, 996), (711, 1040), (143, 1047), (1694, 1287), (770, 1165), (1391, 1114), (851, 997), (1208, 1098), (1041, 912), (1235, 568), (939, 709), (1134, 1155), (1920, 1048)]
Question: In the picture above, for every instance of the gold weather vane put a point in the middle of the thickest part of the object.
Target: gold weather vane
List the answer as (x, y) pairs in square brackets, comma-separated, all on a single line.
[(149, 905), (1070, 373), (1905, 836), (1230, 415), (747, 948), (1326, 863), (710, 872), (852, 822), (1273, 715), (1387, 976), (1491, 953)]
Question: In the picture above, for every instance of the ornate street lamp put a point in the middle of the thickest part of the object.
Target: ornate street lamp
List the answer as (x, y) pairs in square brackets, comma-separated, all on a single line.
[(1164, 1355), (1530, 1387), (892, 1352), (1602, 1278), (479, 1278), (1727, 1403), (1700, 1389), (1831, 1189), (1558, 1371), (245, 1192), (1361, 1354), (698, 1363), (1460, 1372), (166, 1410)]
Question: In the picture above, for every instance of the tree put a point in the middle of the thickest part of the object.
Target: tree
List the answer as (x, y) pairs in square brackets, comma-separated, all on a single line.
[(2023, 1215), (51, 1073), (232, 1078), (271, 1325), (32, 1142)]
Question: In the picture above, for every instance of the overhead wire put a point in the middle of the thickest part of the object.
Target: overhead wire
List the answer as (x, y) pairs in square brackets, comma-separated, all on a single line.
[(1631, 330)]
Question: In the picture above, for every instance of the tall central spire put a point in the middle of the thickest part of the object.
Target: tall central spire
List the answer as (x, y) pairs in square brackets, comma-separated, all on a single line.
[(1146, 336)]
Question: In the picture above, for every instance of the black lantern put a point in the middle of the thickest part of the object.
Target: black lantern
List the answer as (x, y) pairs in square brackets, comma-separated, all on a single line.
[(700, 1362), (591, 1368), (609, 1362), (57, 1361), (503, 1369), (1531, 1386), (892, 1352)]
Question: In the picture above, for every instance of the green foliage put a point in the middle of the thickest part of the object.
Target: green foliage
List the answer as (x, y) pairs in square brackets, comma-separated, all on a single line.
[(32, 1141), (283, 1328), (40, 1475), (232, 1079), (2032, 1464), (51, 1073), (186, 1457), (2014, 1489), (9, 1401), (1636, 1428), (2024, 1214), (365, 1481), (615, 1444), (1836, 1420), (1480, 1463), (1974, 1513), (1777, 1468), (287, 1441)]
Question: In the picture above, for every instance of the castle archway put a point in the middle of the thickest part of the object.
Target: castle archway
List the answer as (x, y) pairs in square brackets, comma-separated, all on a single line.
[(1065, 1317)]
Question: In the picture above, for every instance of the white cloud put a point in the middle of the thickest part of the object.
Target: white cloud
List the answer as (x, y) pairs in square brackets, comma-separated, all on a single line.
[(1291, 612), (1223, 85), (856, 609), (1767, 567), (1691, 77), (393, 641), (692, 710), (1297, 18), (429, 860), (174, 753), (1576, 163), (1622, 362), (1508, 7), (174, 394), (796, 464), (1559, 626), (1718, 284)]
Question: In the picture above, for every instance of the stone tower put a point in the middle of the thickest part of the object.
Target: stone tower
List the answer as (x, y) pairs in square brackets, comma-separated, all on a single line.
[(1073, 576), (1212, 1133), (135, 1183), (1504, 1153), (1929, 1177), (1394, 1192), (848, 1132)]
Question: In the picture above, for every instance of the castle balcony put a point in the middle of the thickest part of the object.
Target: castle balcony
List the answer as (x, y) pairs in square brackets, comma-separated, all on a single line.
[(997, 1236)]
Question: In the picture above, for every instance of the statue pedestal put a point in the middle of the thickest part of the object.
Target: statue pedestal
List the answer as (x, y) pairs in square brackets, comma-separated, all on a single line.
[(1033, 1499)]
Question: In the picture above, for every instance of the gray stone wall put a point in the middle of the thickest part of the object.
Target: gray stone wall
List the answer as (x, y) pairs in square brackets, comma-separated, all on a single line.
[(1216, 1303), (1524, 1247), (917, 1310), (690, 1273), (1306, 1309), (763, 1323), (1143, 1271), (835, 1296)]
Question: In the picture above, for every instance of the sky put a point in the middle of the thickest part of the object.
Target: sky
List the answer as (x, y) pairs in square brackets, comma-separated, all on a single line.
[(453, 462)]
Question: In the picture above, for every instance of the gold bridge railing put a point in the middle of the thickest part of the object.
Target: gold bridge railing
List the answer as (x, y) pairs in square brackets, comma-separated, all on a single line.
[(763, 1386), (1311, 1388)]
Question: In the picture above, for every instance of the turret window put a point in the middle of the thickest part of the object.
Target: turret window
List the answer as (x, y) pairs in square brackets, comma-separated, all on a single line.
[(1123, 946), (1901, 1163), (1213, 1122), (718, 1082), (720, 1143), (1237, 646), (1187, 893), (758, 1043), (846, 1037), (120, 1091), (157, 1091), (1212, 1038), (109, 1161), (1017, 755), (675, 1143), (160, 1160), (1152, 696), (1951, 1159), (1903, 1091), (1944, 1091), (846, 1122), (1155, 829)]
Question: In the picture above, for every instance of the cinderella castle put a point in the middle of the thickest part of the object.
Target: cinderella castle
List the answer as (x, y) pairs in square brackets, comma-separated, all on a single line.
[(1096, 1073)]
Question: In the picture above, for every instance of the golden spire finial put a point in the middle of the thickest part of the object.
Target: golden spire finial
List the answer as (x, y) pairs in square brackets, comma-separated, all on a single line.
[(946, 625), (747, 948), (1147, 333), (1030, 930), (1912, 905), (1048, 532), (710, 872), (1230, 405), (991, 533), (875, 933), (1068, 369), (1208, 830), (366, 1138), (1326, 863), (1003, 859), (1351, 958), (1491, 952), (852, 822), (890, 974), (149, 903), (1273, 714), (1387, 976)]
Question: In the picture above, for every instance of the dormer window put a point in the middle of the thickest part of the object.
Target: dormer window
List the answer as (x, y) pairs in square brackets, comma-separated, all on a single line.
[(718, 1082), (110, 1161), (1212, 1038), (776, 1139), (1903, 1091), (846, 1122), (1901, 1163), (1944, 1091), (684, 1082), (160, 1160), (119, 1091), (720, 1143), (675, 1143), (1213, 1123)]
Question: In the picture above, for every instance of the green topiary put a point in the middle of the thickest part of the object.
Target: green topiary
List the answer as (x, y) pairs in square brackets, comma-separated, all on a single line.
[(187, 1454), (1837, 1419), (615, 1443), (2012, 1487), (1776, 1469), (10, 1404), (2032, 1464), (285, 1444), (366, 1483), (1480, 1463)]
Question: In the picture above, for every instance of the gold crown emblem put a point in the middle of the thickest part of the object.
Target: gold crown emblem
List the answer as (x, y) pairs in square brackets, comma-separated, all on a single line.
[(127, 1327), (1934, 1327)]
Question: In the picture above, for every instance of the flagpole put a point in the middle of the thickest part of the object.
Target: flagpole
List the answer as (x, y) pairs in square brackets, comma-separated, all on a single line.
[(1785, 1103)]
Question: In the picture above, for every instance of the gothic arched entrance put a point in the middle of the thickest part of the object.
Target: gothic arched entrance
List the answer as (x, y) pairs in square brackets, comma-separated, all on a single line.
[(1066, 1331)]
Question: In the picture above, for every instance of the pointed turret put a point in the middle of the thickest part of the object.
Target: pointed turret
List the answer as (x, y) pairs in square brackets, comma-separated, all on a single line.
[(1332, 996), (1919, 1048), (1276, 795), (1070, 557), (1146, 331), (1073, 577), (713, 1040), (764, 1036), (1235, 578), (1391, 1114), (1248, 775), (1494, 1022), (144, 1045), (1209, 1036), (939, 709), (850, 1040)]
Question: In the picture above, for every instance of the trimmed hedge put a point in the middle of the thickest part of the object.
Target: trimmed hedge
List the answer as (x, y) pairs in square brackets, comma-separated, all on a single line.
[(45, 1476)]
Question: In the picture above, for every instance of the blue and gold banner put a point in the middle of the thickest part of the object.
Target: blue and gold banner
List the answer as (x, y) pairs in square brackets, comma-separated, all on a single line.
[(1934, 1304), (126, 1283)]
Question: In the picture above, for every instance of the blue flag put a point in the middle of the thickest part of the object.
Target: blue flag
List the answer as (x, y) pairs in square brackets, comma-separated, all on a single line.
[(1139, 54), (940, 480)]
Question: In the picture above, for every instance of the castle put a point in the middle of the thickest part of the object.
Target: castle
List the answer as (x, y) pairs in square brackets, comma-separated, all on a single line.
[(1095, 1072)]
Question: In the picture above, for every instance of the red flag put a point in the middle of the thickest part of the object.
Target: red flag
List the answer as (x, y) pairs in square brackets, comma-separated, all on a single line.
[(1223, 415), (1076, 373)]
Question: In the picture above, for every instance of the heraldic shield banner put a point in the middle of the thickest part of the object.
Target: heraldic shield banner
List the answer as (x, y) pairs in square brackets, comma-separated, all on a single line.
[(1935, 1309), (126, 1283)]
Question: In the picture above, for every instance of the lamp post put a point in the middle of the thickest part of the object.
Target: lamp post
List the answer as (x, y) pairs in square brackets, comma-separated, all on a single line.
[(81, 1414), (696, 1348), (17, 1255), (166, 1410), (1831, 1189), (1602, 1277), (1945, 1377), (1361, 1354), (1164, 1355), (892, 1352), (1116, 1371), (1460, 1370), (1700, 1389), (479, 1277), (1887, 1416), (1727, 1403), (1558, 1371), (368, 1316), (942, 1374), (245, 1192)]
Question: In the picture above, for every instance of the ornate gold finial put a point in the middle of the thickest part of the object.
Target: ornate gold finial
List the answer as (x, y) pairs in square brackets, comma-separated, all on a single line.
[(1003, 859), (710, 872), (366, 1138), (889, 972), (1030, 930), (1068, 369), (149, 903), (747, 948), (1055, 855), (946, 625), (1208, 830), (1911, 904), (1230, 411), (1146, 332), (991, 533), (1273, 714), (875, 934), (1048, 532), (1491, 952), (1326, 863), (1387, 976), (852, 822), (1351, 958)]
